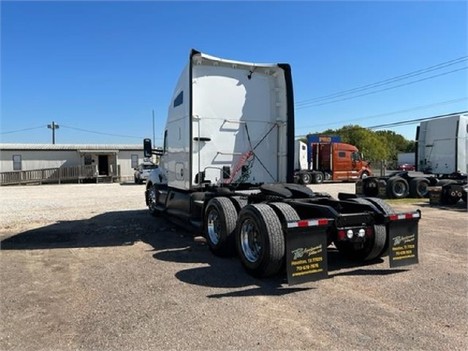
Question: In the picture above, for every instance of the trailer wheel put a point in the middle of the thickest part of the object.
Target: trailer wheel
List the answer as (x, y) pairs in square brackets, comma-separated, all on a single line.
[(152, 200), (419, 187), (260, 240), (306, 178), (318, 177), (220, 225), (397, 188)]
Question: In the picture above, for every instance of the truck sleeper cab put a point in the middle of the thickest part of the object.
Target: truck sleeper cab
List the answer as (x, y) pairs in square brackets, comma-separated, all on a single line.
[(226, 169)]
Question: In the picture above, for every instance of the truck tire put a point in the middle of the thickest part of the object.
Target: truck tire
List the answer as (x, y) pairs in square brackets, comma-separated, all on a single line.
[(419, 187), (306, 178), (260, 240), (372, 248), (318, 178), (380, 242), (364, 175), (219, 226), (386, 210), (152, 200), (397, 188), (285, 212), (239, 202)]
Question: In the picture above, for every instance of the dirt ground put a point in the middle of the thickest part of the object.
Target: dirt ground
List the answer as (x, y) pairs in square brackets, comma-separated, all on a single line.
[(84, 266)]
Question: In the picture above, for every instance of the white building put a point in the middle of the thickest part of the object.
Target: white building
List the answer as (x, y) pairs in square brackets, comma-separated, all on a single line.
[(114, 160)]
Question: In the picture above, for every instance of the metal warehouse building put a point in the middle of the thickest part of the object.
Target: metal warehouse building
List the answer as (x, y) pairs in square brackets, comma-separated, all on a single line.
[(69, 161)]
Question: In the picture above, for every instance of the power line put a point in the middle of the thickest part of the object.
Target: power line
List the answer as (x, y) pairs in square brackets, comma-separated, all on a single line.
[(380, 90), (389, 113), (101, 133), (402, 123), (384, 82), (414, 121), (23, 130)]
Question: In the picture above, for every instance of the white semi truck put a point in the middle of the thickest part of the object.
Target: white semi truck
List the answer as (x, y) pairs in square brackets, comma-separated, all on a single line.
[(227, 168)]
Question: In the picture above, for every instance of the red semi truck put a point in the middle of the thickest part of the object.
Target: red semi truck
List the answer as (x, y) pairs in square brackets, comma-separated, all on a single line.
[(325, 157)]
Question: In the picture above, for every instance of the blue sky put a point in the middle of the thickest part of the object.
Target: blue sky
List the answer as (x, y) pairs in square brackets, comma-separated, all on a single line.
[(104, 66)]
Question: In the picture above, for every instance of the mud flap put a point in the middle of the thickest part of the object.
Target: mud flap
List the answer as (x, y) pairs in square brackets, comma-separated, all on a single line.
[(382, 186), (359, 187), (403, 239), (306, 250)]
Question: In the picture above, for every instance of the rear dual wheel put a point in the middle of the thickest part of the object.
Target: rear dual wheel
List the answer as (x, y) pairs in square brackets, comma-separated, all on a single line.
[(397, 188), (260, 239), (306, 178), (419, 187)]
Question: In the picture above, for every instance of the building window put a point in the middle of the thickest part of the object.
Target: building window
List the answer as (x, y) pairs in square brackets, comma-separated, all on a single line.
[(134, 161), (17, 162), (88, 160)]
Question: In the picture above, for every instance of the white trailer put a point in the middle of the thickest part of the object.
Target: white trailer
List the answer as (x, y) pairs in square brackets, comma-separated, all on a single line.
[(443, 145), (227, 168)]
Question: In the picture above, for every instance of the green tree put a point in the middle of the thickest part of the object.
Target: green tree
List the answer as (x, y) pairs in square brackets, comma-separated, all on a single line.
[(373, 146)]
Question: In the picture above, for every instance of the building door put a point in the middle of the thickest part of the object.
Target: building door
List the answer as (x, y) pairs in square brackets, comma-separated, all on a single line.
[(103, 164)]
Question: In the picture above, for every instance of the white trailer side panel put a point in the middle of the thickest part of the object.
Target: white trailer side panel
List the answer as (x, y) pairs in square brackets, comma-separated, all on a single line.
[(442, 145)]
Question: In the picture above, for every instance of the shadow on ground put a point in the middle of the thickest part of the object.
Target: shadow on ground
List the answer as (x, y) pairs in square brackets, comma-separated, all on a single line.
[(171, 243)]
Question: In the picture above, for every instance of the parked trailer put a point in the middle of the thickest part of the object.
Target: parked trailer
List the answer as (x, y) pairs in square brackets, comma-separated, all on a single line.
[(442, 146), (226, 169)]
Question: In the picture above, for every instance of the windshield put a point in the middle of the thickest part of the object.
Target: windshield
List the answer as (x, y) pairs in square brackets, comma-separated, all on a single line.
[(356, 156)]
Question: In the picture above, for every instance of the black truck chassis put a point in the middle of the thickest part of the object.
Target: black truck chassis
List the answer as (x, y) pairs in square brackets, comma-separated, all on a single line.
[(288, 225)]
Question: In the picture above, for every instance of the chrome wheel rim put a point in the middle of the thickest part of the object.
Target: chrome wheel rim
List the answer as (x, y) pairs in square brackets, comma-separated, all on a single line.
[(152, 199), (213, 226), (400, 188), (250, 241)]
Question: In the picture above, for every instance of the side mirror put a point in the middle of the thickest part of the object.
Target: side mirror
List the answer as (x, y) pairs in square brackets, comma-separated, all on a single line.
[(147, 147)]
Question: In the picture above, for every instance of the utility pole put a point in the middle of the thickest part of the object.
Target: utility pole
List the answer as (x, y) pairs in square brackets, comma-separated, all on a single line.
[(153, 157), (53, 126), (153, 127)]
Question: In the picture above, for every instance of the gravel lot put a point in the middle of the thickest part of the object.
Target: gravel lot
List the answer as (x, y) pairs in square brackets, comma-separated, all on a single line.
[(84, 266)]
